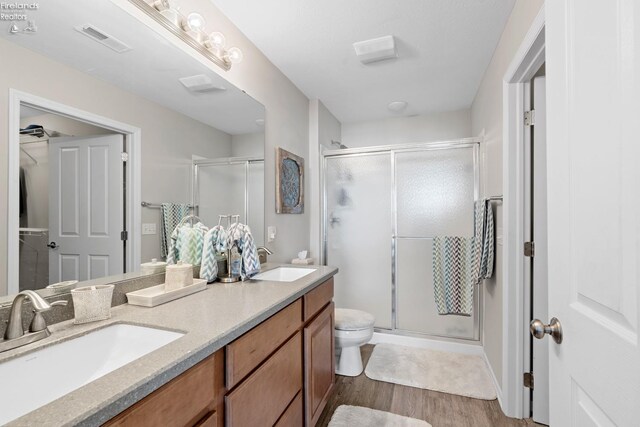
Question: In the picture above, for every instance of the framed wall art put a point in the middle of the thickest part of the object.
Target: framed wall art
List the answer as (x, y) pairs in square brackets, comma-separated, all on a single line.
[(289, 182)]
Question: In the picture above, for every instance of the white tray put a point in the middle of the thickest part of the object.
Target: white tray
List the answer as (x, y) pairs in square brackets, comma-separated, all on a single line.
[(156, 295)]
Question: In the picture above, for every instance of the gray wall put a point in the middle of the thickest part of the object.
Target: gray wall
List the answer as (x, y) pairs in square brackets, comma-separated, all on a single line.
[(323, 128), (403, 130), (287, 124), (248, 145), (168, 139), (486, 116)]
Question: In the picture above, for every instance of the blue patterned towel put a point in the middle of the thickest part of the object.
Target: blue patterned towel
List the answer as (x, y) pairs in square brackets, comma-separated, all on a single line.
[(215, 241), (186, 244), (171, 215), (485, 245), (454, 274), (240, 234)]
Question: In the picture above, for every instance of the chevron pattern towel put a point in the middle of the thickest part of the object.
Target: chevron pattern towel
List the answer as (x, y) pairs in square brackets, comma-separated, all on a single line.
[(187, 242), (215, 241), (454, 274), (171, 215), (240, 234), (484, 236)]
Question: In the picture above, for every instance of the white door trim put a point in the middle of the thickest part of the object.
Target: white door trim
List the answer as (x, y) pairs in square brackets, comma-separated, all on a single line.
[(528, 59), (133, 138)]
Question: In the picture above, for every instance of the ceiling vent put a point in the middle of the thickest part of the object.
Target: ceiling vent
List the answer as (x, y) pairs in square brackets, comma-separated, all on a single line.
[(376, 49), (200, 83), (103, 38)]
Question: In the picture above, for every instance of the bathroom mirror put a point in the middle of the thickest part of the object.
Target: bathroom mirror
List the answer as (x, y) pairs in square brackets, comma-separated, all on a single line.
[(106, 117)]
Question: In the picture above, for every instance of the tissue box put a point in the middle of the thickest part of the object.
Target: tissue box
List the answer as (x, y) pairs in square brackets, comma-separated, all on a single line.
[(306, 261)]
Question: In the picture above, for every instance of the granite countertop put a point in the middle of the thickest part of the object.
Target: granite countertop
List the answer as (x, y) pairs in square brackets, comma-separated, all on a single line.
[(210, 319)]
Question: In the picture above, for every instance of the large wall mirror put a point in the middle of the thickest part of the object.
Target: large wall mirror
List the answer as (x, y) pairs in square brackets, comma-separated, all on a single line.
[(107, 135)]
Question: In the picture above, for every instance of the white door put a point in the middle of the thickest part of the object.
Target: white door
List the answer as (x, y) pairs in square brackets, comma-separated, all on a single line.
[(540, 348), (85, 207), (593, 164)]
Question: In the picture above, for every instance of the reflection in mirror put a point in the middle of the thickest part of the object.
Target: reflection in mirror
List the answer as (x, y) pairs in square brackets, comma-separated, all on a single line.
[(103, 138)]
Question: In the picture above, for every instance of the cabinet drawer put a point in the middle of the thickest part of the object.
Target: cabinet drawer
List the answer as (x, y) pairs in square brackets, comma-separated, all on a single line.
[(315, 300), (265, 395), (183, 401), (294, 415), (210, 420), (251, 349)]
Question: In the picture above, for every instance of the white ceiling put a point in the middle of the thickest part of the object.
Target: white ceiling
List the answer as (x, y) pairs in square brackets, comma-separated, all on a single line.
[(151, 69), (444, 49)]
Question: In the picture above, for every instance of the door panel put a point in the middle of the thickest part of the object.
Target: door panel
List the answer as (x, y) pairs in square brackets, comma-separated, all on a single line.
[(594, 210), (85, 207), (540, 278), (359, 227)]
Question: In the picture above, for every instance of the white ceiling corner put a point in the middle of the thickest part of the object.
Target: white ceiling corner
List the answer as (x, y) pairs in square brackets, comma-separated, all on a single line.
[(444, 48)]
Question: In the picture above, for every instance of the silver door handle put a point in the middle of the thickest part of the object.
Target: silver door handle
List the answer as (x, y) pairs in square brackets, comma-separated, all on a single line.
[(539, 329)]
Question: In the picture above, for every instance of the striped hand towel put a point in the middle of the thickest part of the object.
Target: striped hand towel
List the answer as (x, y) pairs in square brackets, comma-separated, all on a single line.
[(484, 239)]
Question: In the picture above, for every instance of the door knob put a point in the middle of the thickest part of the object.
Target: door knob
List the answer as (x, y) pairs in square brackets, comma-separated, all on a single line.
[(53, 245), (539, 329)]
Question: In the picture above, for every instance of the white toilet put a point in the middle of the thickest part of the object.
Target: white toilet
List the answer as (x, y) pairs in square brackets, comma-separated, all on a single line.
[(353, 328)]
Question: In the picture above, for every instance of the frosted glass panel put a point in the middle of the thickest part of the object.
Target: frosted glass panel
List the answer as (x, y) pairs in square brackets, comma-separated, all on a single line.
[(359, 233), (414, 290), (435, 193), (221, 190), (255, 188)]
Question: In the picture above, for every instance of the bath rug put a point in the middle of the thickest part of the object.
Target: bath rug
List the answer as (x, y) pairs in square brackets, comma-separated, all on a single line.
[(358, 416), (453, 373)]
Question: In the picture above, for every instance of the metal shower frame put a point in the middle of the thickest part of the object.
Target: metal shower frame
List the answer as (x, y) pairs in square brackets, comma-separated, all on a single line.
[(195, 194), (392, 150)]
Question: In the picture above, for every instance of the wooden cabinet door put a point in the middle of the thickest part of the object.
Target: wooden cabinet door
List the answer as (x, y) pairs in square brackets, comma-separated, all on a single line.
[(319, 364)]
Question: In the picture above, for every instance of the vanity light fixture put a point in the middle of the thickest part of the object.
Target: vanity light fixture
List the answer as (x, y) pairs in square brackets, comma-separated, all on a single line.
[(191, 30)]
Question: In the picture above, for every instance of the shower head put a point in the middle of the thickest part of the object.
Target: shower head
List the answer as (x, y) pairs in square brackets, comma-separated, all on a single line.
[(338, 144)]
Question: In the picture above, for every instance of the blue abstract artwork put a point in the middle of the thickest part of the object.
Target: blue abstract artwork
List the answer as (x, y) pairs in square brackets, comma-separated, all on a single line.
[(290, 183)]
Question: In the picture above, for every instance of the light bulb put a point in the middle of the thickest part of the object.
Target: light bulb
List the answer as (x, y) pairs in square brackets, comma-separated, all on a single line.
[(234, 55), (194, 22), (217, 40)]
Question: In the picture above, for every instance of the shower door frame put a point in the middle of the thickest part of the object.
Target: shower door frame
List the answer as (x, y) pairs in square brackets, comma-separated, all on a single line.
[(392, 150), (223, 161)]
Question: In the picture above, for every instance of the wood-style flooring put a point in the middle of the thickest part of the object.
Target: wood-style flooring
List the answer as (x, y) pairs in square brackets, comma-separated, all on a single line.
[(438, 409)]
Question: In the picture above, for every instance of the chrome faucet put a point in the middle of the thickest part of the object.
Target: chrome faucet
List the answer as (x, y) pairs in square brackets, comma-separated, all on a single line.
[(262, 254), (15, 336)]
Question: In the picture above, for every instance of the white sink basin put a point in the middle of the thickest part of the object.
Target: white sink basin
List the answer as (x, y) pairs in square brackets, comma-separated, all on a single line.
[(284, 274), (35, 379)]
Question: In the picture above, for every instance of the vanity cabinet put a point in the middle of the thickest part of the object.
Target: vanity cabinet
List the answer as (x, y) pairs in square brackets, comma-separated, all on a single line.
[(280, 373), (195, 398)]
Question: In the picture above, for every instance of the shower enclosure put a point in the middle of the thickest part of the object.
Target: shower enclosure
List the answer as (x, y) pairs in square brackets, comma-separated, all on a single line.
[(233, 185), (382, 206)]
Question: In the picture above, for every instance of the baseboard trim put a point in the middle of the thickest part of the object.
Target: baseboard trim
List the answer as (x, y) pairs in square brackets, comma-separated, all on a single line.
[(430, 343), (496, 384)]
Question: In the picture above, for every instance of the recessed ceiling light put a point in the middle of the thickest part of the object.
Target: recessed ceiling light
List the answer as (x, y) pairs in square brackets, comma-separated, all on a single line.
[(199, 83), (376, 49), (397, 106)]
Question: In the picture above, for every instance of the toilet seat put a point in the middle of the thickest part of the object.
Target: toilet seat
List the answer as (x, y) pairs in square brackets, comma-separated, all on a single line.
[(347, 319)]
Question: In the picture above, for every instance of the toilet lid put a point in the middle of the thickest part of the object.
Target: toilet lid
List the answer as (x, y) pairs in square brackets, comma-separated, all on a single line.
[(353, 320)]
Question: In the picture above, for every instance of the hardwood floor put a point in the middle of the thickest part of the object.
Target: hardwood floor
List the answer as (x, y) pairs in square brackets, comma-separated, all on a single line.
[(438, 409)]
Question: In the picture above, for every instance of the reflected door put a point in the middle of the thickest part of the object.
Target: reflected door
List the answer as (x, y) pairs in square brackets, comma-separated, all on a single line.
[(85, 207), (358, 232)]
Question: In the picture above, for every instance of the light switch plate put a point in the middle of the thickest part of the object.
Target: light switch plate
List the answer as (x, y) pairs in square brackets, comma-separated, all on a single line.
[(271, 233), (149, 228)]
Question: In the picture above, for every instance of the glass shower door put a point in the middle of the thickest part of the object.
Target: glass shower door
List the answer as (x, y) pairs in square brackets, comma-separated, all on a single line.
[(358, 232), (220, 191), (435, 193)]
